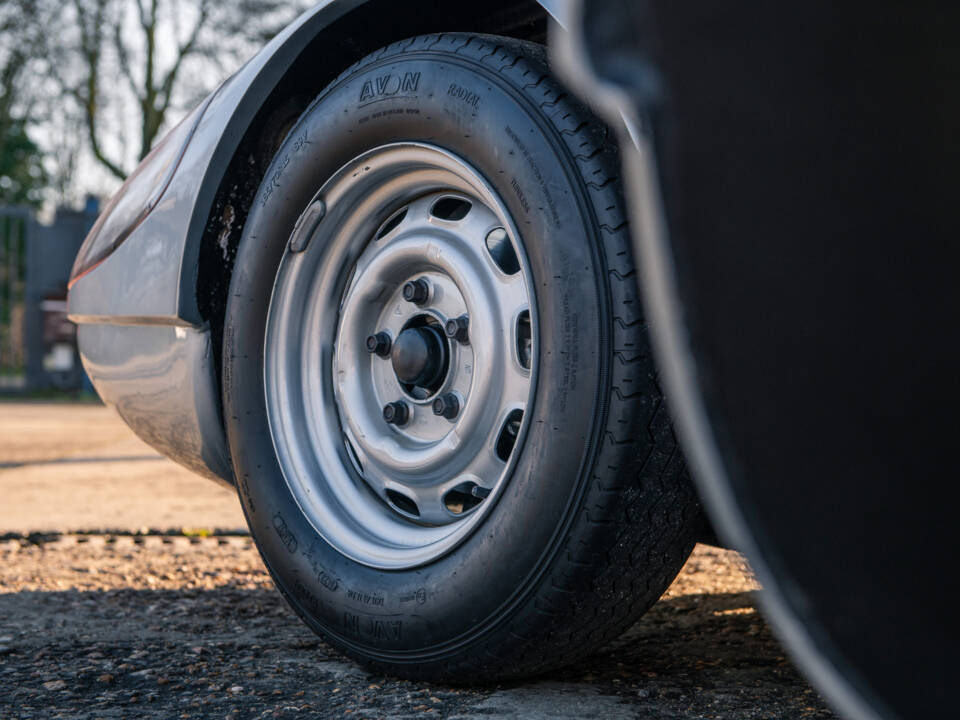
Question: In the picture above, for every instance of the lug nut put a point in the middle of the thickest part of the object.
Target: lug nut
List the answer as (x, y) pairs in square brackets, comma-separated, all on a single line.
[(456, 329), (396, 413), (416, 291), (447, 405), (379, 344)]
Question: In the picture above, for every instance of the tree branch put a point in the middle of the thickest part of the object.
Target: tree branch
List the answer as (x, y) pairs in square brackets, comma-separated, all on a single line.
[(187, 48), (123, 59), (91, 33), (156, 114)]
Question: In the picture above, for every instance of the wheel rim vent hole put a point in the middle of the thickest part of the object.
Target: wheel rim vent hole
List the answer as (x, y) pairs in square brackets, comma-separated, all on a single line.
[(402, 503), (390, 225), (507, 438), (524, 339), (464, 497), (451, 209), (502, 252), (354, 458)]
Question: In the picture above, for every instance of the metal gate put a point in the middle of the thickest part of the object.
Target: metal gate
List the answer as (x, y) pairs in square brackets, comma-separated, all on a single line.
[(37, 342)]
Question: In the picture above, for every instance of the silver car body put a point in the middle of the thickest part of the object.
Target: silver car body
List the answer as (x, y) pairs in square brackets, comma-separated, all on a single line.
[(146, 345)]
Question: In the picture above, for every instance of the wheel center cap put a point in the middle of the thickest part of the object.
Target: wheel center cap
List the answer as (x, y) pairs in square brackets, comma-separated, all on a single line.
[(419, 357)]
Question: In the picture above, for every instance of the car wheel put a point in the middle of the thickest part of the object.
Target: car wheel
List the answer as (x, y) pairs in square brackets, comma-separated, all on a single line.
[(442, 409)]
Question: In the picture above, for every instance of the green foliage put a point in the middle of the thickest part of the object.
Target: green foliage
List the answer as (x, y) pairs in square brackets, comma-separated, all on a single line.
[(22, 175)]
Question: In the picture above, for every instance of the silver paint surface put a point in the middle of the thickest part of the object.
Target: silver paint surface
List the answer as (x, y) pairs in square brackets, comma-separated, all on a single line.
[(325, 392), (161, 380)]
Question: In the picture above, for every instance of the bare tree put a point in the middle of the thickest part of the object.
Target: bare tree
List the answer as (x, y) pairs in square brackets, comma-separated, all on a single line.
[(148, 44), (95, 83), (24, 25), (20, 25), (103, 23)]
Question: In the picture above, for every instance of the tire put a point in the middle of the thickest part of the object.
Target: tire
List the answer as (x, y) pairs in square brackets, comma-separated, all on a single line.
[(598, 514)]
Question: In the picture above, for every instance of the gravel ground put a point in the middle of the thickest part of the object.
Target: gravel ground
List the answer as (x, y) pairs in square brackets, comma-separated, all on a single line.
[(150, 627), (126, 625)]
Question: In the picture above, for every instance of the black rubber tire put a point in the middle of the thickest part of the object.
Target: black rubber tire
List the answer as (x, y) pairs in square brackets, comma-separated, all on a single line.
[(599, 515)]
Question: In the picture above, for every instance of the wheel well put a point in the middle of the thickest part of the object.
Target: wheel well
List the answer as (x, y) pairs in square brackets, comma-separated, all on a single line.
[(357, 33)]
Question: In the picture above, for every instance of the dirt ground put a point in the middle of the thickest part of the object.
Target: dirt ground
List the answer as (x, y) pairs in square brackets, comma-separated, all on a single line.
[(114, 624), (78, 467)]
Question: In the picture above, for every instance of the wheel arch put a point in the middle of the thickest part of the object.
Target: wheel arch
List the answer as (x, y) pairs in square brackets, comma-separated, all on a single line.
[(294, 74)]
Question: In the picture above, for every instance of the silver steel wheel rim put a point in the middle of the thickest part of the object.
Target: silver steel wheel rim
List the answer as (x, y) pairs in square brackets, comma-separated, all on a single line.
[(386, 495)]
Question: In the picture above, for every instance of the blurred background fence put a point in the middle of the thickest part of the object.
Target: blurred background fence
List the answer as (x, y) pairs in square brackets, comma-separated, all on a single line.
[(14, 224), (38, 349)]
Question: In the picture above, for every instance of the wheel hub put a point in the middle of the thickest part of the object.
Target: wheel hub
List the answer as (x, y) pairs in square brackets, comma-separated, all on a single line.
[(419, 358)]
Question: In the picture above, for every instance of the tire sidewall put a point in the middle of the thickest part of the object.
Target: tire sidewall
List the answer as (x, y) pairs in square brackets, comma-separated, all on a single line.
[(466, 108)]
